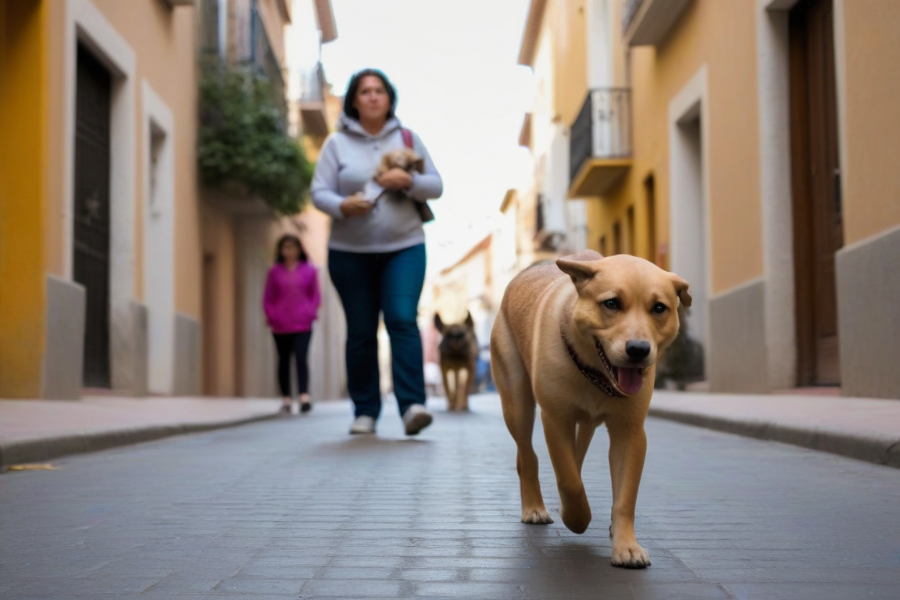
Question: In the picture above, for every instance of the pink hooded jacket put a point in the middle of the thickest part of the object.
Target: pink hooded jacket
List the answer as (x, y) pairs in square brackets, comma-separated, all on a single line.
[(292, 298)]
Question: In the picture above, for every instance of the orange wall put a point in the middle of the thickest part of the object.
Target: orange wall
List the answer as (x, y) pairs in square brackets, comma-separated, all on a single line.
[(23, 79), (718, 35), (871, 177)]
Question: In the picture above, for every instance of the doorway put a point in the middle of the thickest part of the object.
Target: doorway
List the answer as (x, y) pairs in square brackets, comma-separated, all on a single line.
[(690, 222), (91, 256), (818, 223)]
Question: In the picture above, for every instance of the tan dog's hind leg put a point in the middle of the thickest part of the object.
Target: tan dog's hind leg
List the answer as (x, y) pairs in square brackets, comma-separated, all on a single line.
[(560, 433), (518, 403), (627, 449)]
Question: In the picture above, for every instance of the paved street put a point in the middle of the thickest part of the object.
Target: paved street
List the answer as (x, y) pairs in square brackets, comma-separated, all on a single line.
[(295, 508)]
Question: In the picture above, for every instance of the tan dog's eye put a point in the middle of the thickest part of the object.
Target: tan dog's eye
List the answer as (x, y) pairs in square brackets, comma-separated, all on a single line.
[(612, 304), (659, 308)]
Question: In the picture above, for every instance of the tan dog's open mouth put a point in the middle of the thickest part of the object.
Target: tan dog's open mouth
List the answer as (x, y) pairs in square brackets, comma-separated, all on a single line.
[(626, 380)]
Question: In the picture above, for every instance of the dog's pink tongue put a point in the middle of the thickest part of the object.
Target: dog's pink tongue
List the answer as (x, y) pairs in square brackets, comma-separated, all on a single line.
[(630, 380)]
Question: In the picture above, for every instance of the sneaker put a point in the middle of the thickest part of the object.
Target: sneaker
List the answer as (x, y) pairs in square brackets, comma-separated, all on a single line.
[(416, 418), (363, 424), (305, 403)]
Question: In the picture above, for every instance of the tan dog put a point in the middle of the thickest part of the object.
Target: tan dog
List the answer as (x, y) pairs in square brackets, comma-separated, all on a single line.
[(405, 159), (582, 340), (459, 350)]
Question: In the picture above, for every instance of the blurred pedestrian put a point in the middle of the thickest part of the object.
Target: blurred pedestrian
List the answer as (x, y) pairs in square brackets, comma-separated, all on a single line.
[(291, 301), (377, 249)]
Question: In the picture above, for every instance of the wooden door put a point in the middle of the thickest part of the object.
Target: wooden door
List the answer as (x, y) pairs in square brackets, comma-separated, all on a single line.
[(92, 211), (818, 227)]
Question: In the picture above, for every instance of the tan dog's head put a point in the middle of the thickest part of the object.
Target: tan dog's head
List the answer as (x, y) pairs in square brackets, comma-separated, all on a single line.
[(627, 308), (404, 158)]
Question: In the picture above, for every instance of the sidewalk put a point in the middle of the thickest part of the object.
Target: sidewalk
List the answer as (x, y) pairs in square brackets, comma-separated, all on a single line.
[(39, 430), (861, 428)]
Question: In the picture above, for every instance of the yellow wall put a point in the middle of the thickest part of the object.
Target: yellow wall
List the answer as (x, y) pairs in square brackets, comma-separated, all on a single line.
[(567, 21), (719, 35), (163, 42), (23, 87), (871, 54)]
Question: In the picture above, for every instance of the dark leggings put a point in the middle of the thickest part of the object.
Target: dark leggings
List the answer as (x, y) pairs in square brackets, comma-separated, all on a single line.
[(296, 344)]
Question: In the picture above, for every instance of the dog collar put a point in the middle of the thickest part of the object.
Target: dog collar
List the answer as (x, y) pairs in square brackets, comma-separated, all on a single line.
[(597, 377)]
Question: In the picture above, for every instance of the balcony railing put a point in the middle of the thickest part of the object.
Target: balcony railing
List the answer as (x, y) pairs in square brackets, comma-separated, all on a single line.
[(313, 115), (210, 41), (312, 85), (602, 129), (251, 47)]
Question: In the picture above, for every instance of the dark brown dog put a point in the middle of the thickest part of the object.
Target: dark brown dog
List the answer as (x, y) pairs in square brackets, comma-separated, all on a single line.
[(459, 350)]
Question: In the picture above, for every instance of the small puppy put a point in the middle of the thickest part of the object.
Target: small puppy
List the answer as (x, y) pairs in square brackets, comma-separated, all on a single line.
[(405, 159), (581, 338), (459, 351)]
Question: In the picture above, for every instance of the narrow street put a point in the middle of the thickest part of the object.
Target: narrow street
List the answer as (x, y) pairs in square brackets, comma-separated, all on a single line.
[(296, 508)]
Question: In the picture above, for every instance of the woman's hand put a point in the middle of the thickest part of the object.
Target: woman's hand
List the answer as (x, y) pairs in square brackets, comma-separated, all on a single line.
[(395, 179), (355, 206)]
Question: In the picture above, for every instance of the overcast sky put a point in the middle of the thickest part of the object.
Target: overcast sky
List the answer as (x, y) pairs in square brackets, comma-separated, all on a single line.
[(459, 87)]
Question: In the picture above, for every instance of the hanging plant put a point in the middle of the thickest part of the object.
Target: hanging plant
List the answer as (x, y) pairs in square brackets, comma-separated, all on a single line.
[(243, 143)]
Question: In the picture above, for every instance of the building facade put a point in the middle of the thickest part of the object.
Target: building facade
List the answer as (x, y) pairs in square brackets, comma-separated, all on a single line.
[(746, 146), (118, 271)]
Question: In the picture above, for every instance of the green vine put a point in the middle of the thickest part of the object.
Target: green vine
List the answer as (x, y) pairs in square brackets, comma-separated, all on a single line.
[(243, 142)]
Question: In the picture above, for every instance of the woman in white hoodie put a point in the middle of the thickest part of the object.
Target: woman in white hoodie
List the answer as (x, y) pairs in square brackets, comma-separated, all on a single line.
[(377, 250)]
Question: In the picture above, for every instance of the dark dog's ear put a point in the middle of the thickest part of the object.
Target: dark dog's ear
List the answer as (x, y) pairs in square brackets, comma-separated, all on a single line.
[(438, 324), (683, 289), (470, 322), (580, 272), (419, 165)]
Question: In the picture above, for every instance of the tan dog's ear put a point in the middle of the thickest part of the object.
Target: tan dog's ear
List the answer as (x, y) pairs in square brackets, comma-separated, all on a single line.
[(580, 272), (683, 289), (438, 324), (419, 164), (470, 322)]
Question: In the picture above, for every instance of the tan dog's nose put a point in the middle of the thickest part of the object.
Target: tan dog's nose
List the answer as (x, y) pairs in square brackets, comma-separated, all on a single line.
[(637, 350)]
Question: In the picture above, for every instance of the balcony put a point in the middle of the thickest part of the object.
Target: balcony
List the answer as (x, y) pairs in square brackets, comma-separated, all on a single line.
[(647, 22), (313, 115), (600, 142)]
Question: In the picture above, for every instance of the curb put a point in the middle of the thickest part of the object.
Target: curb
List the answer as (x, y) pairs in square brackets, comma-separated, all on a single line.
[(873, 450), (40, 449)]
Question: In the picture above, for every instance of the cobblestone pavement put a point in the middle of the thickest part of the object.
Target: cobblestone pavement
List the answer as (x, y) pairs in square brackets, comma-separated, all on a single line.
[(296, 508)]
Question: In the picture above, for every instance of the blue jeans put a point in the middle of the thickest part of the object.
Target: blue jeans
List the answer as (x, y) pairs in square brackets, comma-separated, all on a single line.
[(388, 283)]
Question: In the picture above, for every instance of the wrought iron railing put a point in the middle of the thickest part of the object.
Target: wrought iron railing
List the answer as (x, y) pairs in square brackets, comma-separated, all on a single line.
[(602, 128), (312, 85), (630, 10), (210, 41), (251, 47)]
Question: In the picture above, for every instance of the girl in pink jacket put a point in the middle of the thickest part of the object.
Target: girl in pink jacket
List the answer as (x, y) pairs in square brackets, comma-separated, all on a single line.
[(291, 301)]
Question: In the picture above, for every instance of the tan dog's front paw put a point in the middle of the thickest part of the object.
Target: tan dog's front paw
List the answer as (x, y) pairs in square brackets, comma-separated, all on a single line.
[(536, 516), (630, 556)]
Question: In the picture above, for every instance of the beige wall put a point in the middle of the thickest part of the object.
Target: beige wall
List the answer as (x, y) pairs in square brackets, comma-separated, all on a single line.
[(715, 34), (163, 42), (220, 366), (870, 54)]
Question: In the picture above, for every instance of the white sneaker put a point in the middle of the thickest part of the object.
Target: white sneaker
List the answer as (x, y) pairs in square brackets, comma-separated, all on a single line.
[(416, 418), (363, 424)]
